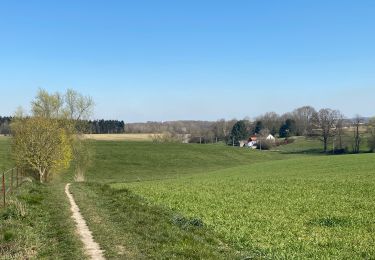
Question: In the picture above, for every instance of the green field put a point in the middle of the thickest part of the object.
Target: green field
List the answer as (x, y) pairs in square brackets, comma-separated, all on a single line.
[(184, 201), (260, 204), (142, 161), (306, 207)]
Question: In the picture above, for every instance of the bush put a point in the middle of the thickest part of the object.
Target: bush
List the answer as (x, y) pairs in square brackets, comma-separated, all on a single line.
[(167, 137), (265, 144)]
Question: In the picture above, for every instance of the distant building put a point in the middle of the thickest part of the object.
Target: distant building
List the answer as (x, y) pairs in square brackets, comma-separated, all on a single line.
[(243, 143), (271, 138), (252, 142)]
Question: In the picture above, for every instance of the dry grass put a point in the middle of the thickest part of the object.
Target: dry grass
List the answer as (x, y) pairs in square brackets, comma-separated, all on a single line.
[(120, 137)]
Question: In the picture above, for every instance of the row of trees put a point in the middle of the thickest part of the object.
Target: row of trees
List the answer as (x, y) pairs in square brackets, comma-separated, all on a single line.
[(199, 131), (297, 122), (105, 127), (325, 124), (86, 126)]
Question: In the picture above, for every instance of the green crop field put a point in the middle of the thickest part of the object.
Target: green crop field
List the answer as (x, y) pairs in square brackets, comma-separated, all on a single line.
[(307, 207), (140, 161)]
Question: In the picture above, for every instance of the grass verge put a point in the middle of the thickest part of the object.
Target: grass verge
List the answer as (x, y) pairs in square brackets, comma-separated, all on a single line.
[(36, 224)]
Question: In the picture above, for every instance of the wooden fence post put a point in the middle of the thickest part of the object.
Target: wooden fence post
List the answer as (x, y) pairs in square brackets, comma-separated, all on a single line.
[(11, 181)]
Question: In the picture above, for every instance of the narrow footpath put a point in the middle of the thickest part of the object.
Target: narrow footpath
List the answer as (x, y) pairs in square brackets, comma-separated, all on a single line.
[(92, 248)]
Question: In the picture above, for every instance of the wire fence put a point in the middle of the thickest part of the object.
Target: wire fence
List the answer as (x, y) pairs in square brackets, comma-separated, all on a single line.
[(10, 180)]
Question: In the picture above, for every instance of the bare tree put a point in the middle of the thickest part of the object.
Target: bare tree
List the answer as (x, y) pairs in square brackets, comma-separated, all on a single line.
[(325, 121), (340, 129), (304, 117), (78, 106), (271, 121), (357, 121)]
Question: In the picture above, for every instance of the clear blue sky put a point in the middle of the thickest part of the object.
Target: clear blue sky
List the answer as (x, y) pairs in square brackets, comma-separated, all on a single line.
[(167, 60)]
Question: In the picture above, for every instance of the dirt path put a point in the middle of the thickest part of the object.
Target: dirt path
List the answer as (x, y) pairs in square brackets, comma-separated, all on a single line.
[(92, 249)]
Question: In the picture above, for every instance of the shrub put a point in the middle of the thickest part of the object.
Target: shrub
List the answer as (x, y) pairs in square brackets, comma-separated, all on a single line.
[(265, 144), (167, 137)]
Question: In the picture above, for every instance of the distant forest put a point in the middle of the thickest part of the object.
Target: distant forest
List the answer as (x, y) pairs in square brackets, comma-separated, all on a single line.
[(105, 127), (92, 126)]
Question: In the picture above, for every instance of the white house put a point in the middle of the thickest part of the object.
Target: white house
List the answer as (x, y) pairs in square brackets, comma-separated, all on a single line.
[(271, 138)]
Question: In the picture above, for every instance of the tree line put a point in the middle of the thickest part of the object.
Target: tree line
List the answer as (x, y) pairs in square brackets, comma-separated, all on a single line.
[(328, 125), (86, 126), (198, 131), (105, 127)]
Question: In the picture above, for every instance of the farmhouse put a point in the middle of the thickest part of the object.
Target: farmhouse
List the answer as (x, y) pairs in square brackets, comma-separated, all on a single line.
[(253, 141)]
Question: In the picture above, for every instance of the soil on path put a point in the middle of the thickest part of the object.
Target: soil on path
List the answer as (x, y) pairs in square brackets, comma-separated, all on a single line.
[(92, 248)]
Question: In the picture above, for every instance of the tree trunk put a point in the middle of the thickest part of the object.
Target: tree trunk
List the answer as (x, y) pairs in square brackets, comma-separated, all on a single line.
[(325, 139), (41, 175)]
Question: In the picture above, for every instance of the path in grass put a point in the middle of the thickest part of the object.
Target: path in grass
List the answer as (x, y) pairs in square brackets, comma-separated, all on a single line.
[(92, 248)]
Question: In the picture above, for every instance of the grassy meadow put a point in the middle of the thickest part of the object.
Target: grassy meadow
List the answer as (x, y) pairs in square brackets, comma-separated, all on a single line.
[(145, 200), (142, 161)]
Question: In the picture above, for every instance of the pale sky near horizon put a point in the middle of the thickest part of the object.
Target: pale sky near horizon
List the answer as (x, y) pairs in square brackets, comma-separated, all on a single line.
[(200, 60)]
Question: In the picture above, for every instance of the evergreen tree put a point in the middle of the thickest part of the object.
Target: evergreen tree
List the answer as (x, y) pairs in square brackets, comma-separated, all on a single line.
[(258, 127), (239, 132), (288, 128)]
